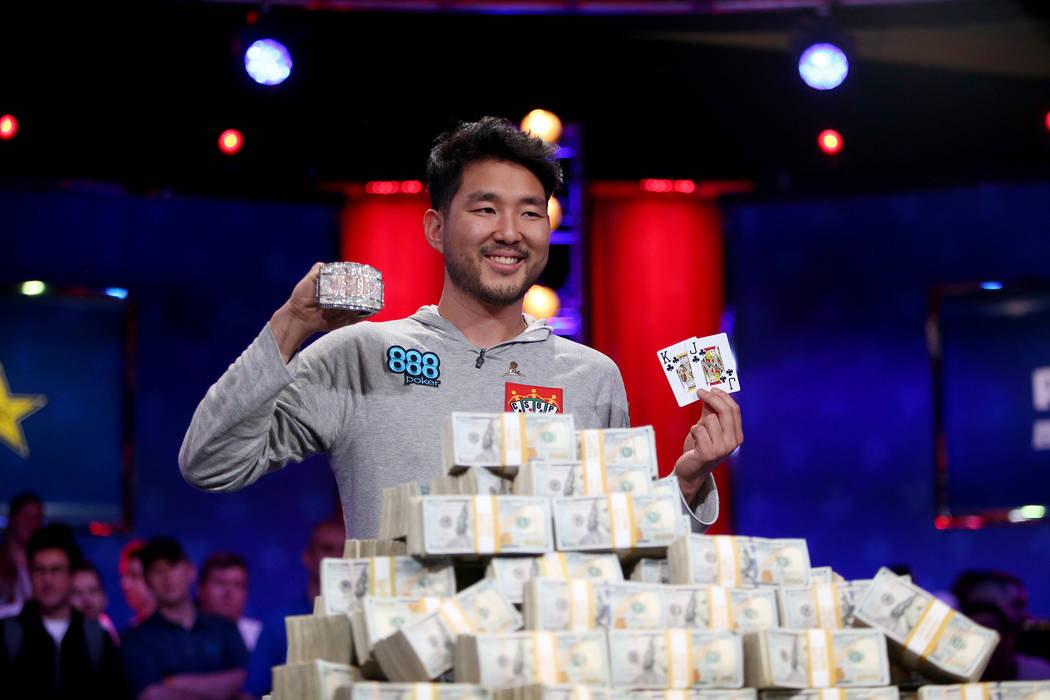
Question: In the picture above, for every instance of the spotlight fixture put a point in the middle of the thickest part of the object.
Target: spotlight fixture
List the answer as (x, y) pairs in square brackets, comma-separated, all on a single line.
[(8, 127), (823, 66), (230, 141), (544, 124), (830, 141), (268, 62)]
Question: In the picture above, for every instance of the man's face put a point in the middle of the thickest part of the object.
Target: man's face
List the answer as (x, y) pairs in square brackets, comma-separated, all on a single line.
[(137, 594), (170, 581), (326, 541), (52, 580), (28, 519), (224, 592), (88, 596), (496, 234)]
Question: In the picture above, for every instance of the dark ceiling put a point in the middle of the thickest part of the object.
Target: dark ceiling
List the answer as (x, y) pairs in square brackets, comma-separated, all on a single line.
[(938, 94)]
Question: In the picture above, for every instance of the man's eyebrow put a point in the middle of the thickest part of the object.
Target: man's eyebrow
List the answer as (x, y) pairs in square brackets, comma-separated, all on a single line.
[(489, 196)]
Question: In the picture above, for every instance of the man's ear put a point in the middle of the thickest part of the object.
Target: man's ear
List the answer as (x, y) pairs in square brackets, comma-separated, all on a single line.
[(434, 229)]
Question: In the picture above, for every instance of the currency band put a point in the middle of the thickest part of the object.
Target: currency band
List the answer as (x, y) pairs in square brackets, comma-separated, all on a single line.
[(832, 694), (553, 565), (720, 614), (679, 658), (514, 438), (486, 526), (380, 578), (455, 617), (924, 636), (827, 598), (819, 646), (544, 648), (676, 695), (428, 604), (592, 444), (424, 691), (975, 691), (728, 569), (621, 521), (581, 605), (581, 692)]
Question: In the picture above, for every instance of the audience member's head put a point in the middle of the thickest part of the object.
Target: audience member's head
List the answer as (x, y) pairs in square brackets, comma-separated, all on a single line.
[(169, 573), (223, 587), (25, 515), (327, 539), (133, 581), (89, 597), (52, 553), (995, 599)]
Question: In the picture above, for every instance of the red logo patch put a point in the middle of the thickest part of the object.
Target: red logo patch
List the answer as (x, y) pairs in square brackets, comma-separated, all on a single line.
[(525, 398)]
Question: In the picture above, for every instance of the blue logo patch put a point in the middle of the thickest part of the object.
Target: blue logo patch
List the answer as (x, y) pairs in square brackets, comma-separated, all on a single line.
[(417, 367)]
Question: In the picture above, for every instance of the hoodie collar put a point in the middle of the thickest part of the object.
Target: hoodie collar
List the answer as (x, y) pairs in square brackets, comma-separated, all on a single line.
[(536, 328)]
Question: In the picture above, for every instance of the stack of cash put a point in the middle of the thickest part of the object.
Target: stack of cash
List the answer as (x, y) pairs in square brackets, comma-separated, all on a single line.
[(739, 562), (924, 633), (651, 571), (676, 658), (1003, 690), (505, 441), (423, 648), (479, 525), (392, 521), (344, 582), (564, 479), (618, 522), (696, 694), (816, 658), (575, 604), (313, 637), (358, 549), (511, 573), (823, 605), (618, 446), (823, 574), (477, 481), (542, 691), (378, 618), (322, 680), (720, 608), (886, 692), (522, 658), (418, 691)]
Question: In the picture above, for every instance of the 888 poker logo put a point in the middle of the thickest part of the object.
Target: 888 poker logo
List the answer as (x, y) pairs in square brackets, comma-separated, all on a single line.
[(418, 367)]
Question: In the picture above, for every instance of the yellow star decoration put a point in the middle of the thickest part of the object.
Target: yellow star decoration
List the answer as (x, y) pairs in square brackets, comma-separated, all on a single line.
[(14, 408)]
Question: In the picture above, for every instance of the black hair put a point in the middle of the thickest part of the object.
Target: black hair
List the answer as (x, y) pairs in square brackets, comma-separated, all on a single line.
[(54, 536), (161, 547), (222, 560), (20, 501), (489, 138)]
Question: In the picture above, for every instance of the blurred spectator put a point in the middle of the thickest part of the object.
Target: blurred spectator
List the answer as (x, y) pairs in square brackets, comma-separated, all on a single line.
[(223, 591), (89, 597), (133, 583), (998, 600), (327, 539), (25, 515), (50, 650), (179, 652)]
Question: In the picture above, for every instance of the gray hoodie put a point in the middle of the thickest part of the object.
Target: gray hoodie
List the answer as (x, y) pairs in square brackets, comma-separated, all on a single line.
[(374, 396)]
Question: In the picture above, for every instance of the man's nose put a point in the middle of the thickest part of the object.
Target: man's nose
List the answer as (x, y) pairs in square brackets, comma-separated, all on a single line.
[(507, 228)]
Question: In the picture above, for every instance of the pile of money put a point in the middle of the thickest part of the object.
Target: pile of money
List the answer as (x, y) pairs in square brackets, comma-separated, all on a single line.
[(576, 604), (925, 633), (816, 658), (886, 692), (823, 605), (318, 679), (511, 573), (392, 521), (721, 608), (739, 562), (617, 522), (618, 446), (477, 481), (379, 617), (479, 525), (344, 582), (823, 574), (696, 694), (564, 479), (418, 691), (358, 549), (423, 648), (313, 637), (676, 658), (505, 441), (544, 691), (523, 658), (649, 570), (1002, 690)]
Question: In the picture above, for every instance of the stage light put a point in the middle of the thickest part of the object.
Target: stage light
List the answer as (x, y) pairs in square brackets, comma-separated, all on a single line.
[(830, 141), (117, 292), (1046, 121), (823, 66), (541, 302), (655, 185), (268, 62), (8, 127), (411, 186), (33, 287), (230, 141), (554, 213), (684, 186), (544, 124), (991, 285)]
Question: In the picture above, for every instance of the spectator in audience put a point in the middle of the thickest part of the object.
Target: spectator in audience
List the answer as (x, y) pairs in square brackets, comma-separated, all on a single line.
[(179, 652), (133, 583), (999, 600), (50, 650), (25, 515), (223, 591), (89, 597)]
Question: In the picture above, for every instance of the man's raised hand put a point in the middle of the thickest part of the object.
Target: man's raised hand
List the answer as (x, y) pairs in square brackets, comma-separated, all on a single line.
[(300, 317), (711, 440)]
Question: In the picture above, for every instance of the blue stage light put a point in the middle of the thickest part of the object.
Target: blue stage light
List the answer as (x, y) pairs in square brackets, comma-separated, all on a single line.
[(991, 285), (823, 66), (117, 292), (268, 62)]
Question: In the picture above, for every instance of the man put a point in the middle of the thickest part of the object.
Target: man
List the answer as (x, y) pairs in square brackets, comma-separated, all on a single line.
[(348, 394), (133, 583), (50, 650), (25, 515), (223, 592), (89, 597), (179, 652)]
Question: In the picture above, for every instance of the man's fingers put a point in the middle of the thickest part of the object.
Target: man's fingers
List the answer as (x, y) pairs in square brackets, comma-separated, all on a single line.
[(728, 412)]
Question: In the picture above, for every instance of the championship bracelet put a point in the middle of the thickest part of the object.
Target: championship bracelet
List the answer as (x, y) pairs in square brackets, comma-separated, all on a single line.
[(350, 286)]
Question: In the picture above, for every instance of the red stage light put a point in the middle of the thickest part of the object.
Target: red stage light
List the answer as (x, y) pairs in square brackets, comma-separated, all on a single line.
[(100, 529), (655, 185), (830, 141), (942, 522), (1046, 121), (230, 141), (8, 127), (411, 186), (685, 186)]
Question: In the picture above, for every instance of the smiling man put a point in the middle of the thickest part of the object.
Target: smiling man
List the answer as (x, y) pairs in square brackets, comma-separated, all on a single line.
[(352, 393)]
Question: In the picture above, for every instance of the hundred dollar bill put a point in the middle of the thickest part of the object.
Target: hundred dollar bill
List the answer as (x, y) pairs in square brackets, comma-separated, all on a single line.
[(717, 607), (619, 446), (510, 573), (505, 441), (345, 581), (379, 617), (312, 679), (418, 691), (651, 571), (476, 481), (1002, 690), (563, 479), (823, 605), (542, 691), (889, 692), (695, 694), (522, 658), (676, 658), (816, 658), (739, 562), (580, 604), (479, 525), (925, 633), (824, 574), (603, 567), (617, 522)]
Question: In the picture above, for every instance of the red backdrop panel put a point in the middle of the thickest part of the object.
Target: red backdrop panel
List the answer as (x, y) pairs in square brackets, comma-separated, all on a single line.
[(656, 278), (386, 232)]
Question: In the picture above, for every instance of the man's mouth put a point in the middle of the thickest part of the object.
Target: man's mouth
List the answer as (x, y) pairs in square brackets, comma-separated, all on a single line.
[(504, 259)]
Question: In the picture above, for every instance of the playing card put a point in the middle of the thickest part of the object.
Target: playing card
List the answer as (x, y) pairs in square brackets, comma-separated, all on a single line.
[(677, 364)]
